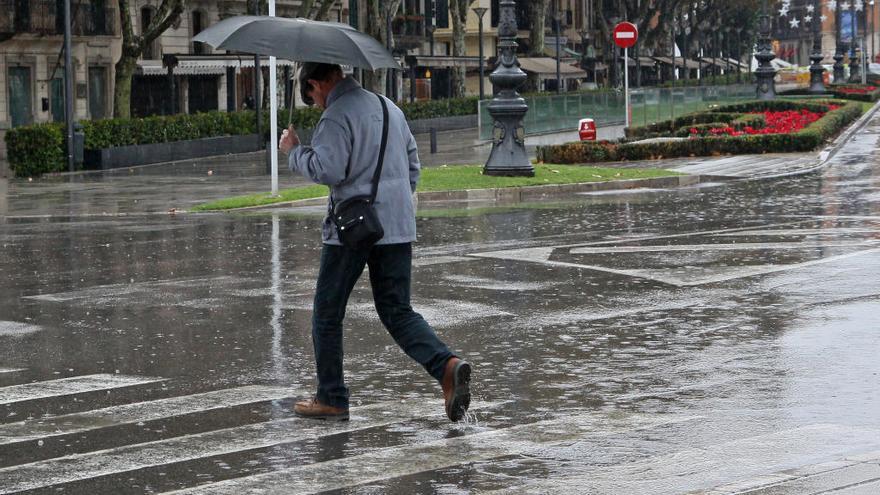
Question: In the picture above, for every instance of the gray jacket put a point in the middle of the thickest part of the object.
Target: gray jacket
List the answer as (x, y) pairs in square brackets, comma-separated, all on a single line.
[(343, 155)]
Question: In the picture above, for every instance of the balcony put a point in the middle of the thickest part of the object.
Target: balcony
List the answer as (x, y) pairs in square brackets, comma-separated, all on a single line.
[(46, 17), (409, 31)]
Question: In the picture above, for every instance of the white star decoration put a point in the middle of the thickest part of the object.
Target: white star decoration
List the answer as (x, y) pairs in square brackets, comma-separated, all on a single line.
[(823, 17), (808, 18), (832, 5), (794, 23), (783, 11), (844, 6), (859, 5), (811, 8)]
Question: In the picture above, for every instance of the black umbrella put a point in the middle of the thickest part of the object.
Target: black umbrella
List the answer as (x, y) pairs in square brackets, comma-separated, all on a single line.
[(300, 40)]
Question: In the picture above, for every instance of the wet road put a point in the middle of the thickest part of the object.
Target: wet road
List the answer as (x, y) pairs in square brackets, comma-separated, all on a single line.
[(647, 342)]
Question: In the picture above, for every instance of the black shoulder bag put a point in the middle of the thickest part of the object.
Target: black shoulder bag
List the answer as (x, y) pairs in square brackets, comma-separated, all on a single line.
[(357, 222)]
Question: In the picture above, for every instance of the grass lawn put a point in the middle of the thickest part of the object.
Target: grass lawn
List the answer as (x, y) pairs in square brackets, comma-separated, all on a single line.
[(455, 178)]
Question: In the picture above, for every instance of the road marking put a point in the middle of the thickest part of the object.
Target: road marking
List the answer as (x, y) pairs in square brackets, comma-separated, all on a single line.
[(733, 466), (800, 232), (394, 462), (43, 428), (676, 276), (17, 329), (85, 466), (10, 370), (69, 386), (740, 246)]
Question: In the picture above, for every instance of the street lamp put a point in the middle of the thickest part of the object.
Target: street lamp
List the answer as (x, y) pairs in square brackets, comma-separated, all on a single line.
[(873, 28), (855, 75), (839, 74), (508, 156), (765, 74), (817, 85), (481, 11), (614, 75), (557, 17)]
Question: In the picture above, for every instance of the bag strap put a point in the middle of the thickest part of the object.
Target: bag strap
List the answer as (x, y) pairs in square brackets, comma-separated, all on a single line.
[(378, 171)]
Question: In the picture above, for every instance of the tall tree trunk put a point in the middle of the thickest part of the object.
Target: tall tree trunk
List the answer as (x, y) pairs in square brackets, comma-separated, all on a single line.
[(538, 14), (377, 28), (122, 86), (458, 10)]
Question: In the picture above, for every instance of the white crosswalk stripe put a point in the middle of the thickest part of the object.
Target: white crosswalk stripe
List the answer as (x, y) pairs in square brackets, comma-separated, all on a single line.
[(85, 466), (395, 462), (141, 411), (69, 386)]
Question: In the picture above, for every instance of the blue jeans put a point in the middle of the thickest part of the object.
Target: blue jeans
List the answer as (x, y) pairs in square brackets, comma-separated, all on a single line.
[(390, 276)]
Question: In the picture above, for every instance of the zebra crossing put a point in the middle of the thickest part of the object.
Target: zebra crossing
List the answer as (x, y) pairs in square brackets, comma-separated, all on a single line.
[(130, 464)]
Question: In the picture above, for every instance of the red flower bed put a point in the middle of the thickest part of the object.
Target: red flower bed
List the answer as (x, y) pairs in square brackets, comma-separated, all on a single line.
[(862, 90), (778, 122)]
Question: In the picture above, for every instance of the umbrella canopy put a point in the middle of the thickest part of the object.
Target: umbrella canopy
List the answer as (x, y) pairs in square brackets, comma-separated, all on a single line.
[(301, 40)]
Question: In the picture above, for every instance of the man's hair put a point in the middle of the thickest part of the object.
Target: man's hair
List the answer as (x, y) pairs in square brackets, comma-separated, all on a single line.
[(317, 71)]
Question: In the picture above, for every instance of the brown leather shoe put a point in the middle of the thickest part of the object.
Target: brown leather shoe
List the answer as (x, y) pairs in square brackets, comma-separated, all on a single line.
[(311, 408), (456, 388)]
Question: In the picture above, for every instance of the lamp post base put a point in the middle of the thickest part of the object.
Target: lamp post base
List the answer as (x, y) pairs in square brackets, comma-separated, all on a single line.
[(508, 157)]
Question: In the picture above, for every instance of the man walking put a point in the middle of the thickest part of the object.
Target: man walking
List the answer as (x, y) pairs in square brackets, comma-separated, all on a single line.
[(343, 155)]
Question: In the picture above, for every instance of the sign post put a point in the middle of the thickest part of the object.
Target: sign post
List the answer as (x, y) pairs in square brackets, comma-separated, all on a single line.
[(625, 36)]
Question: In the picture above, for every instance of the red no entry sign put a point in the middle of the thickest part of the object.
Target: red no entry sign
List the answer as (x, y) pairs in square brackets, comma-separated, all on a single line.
[(625, 34)]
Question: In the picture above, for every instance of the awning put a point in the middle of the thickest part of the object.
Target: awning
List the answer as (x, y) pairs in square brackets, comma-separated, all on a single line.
[(550, 51), (679, 62), (718, 62), (645, 61), (545, 66), (445, 61), (203, 65)]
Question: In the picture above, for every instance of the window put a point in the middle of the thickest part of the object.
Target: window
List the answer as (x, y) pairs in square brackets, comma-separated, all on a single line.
[(56, 96), (97, 92), (21, 96), (151, 52), (198, 25), (22, 16), (442, 10)]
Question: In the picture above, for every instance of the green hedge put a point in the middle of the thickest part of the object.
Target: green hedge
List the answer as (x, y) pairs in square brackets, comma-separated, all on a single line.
[(40, 148), (450, 107), (871, 96), (807, 139), (36, 149)]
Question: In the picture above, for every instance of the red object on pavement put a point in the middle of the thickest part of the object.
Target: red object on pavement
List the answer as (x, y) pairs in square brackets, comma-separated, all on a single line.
[(587, 130), (625, 35)]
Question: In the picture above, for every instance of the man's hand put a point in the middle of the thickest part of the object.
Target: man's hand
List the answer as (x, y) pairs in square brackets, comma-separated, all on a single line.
[(288, 140)]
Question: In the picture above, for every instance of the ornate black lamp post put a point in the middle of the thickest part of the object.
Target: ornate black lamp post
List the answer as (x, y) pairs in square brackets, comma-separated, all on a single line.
[(817, 85), (508, 156), (481, 11), (855, 74), (839, 48), (765, 72)]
